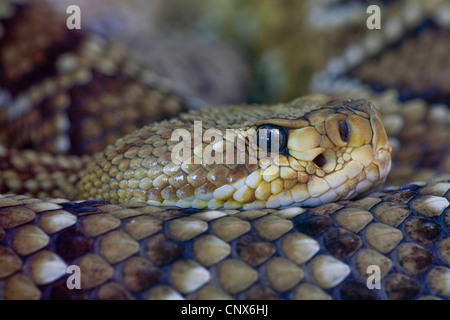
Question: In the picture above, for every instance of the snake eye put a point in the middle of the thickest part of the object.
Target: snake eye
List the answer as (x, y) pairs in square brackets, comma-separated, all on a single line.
[(270, 136), (343, 130)]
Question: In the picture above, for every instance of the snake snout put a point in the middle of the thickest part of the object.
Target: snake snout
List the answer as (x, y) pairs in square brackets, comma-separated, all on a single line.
[(381, 148), (347, 146)]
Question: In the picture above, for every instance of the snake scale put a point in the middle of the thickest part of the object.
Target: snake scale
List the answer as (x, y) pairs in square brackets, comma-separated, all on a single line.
[(304, 224)]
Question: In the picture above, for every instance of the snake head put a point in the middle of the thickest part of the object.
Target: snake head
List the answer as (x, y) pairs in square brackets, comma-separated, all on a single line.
[(327, 150), (338, 149)]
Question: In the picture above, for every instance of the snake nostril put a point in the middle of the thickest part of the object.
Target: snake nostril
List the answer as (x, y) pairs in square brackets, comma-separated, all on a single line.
[(343, 130), (320, 160)]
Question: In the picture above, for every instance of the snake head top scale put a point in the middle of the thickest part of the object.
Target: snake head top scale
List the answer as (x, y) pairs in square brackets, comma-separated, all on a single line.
[(215, 158)]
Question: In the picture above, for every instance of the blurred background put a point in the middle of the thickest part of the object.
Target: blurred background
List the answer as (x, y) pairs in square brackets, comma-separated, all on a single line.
[(228, 51), (237, 51)]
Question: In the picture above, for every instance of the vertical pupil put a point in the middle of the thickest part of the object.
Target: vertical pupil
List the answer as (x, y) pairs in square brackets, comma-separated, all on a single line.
[(264, 137), (268, 139), (343, 130)]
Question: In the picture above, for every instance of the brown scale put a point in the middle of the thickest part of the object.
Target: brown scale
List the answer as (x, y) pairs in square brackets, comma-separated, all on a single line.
[(341, 243), (401, 287), (253, 250), (165, 253)]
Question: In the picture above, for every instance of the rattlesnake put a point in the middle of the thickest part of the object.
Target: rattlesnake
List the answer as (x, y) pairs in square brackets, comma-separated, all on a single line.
[(140, 225)]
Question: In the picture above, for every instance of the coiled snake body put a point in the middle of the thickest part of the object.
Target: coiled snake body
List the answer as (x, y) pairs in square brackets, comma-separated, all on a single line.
[(139, 224)]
